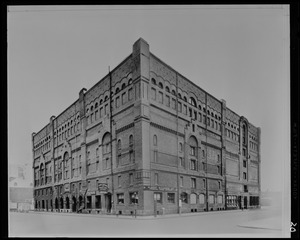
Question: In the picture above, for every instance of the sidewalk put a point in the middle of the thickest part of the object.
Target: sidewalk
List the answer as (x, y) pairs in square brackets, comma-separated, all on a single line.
[(273, 223), (140, 217)]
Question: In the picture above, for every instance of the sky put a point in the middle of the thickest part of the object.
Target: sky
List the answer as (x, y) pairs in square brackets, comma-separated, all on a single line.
[(236, 53)]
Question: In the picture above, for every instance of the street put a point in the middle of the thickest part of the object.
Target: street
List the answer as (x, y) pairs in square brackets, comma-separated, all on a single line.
[(205, 224)]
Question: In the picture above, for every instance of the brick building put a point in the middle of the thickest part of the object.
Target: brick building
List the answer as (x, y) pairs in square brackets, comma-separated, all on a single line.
[(145, 139)]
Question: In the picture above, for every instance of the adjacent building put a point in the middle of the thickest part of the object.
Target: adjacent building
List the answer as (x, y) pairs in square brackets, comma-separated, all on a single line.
[(146, 140)]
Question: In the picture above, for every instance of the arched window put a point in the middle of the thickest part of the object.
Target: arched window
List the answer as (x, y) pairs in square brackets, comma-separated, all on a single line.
[(106, 98), (160, 85), (131, 140), (180, 147), (123, 86), (101, 101), (153, 81), (119, 145), (130, 81), (201, 198), (96, 105), (244, 134), (199, 107), (173, 92), (185, 99), (193, 102), (193, 146), (167, 89), (216, 117), (117, 90), (179, 95), (193, 198), (106, 143), (154, 140)]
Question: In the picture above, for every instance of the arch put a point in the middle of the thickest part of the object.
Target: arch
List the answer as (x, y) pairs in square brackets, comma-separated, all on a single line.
[(67, 203), (167, 89), (160, 85), (185, 99), (119, 144), (179, 96), (56, 204), (130, 81), (117, 90), (173, 92), (153, 81), (61, 202), (123, 86), (193, 143), (96, 105), (193, 102), (101, 102), (199, 107), (201, 198), (106, 98), (74, 204)]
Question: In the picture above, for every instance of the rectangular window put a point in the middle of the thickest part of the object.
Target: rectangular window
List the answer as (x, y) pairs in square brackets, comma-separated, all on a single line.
[(155, 156), (120, 198), (181, 161), (156, 178), (168, 101), (195, 115), (244, 152), (184, 109), (133, 197), (158, 197), (171, 197), (244, 164), (200, 117), (245, 175), (89, 202), (124, 98), (179, 107), (192, 151), (106, 109), (130, 94), (153, 93), (173, 103), (191, 112), (119, 181), (193, 164), (101, 112), (181, 181), (98, 202), (117, 102), (130, 178), (160, 97), (193, 181), (220, 199), (204, 119), (107, 163)]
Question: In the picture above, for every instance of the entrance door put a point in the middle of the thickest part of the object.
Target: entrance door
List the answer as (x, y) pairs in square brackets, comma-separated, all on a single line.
[(245, 202), (108, 202), (74, 207)]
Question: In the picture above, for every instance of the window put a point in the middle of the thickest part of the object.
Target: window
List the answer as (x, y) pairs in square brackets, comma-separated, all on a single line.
[(154, 140), (155, 156), (167, 89), (173, 92), (153, 81), (124, 98), (244, 175), (179, 107), (130, 94), (119, 145), (183, 197), (160, 85), (119, 181), (201, 198), (171, 197), (153, 93), (89, 202), (204, 183), (120, 198), (133, 197), (156, 178), (117, 102), (130, 178), (181, 181), (160, 97), (244, 164), (193, 102), (158, 197), (220, 199), (131, 141), (244, 152), (193, 164), (98, 202), (193, 181), (211, 199), (168, 101), (193, 198), (173, 103), (192, 150), (181, 161), (180, 147)]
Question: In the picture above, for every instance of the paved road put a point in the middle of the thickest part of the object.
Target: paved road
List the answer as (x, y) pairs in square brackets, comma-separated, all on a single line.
[(218, 224)]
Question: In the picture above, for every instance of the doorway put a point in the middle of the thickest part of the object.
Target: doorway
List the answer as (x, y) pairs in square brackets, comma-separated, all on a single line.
[(74, 205), (108, 202), (245, 202)]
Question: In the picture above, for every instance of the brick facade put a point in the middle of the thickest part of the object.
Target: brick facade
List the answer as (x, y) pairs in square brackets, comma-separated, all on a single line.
[(146, 139)]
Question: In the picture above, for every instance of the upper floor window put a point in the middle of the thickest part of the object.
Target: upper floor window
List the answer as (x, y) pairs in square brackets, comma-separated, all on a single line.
[(167, 89), (153, 81), (119, 145), (131, 140), (155, 140), (192, 102), (123, 86), (160, 85), (173, 92)]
